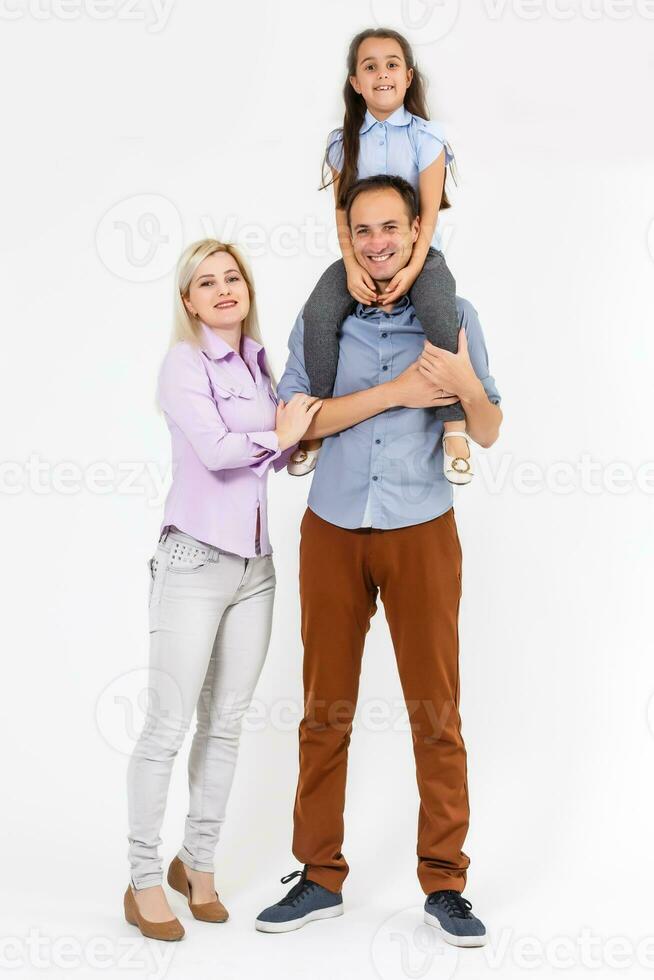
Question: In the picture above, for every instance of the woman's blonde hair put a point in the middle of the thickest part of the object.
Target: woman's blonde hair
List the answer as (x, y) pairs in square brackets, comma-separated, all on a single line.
[(185, 325)]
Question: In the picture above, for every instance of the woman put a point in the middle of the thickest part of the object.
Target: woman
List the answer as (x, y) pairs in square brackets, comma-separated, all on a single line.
[(212, 576)]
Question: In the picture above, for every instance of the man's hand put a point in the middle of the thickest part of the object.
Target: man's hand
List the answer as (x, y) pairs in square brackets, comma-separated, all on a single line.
[(399, 285), (449, 372), (412, 389), (360, 284)]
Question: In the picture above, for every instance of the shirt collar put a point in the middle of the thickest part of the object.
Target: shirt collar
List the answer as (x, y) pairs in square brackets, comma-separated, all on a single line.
[(401, 117), (217, 348), (363, 312)]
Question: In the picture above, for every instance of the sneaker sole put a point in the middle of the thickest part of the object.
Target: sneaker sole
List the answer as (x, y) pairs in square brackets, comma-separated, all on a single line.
[(329, 913), (466, 942)]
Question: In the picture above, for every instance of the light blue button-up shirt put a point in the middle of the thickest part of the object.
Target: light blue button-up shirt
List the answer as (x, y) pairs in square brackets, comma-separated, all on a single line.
[(402, 145), (387, 471)]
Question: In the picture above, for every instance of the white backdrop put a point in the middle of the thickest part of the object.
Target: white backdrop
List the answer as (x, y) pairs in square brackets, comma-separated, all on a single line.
[(133, 128)]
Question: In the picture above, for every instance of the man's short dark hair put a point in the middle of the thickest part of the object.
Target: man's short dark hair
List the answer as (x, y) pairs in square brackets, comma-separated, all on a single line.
[(381, 182)]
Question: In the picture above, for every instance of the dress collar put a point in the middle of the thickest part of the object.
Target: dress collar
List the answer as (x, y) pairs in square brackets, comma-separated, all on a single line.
[(401, 117)]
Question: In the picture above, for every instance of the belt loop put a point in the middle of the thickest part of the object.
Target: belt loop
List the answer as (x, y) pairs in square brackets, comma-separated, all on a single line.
[(164, 535)]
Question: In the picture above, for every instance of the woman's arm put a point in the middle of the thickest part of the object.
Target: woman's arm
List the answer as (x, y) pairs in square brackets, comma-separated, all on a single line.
[(185, 395)]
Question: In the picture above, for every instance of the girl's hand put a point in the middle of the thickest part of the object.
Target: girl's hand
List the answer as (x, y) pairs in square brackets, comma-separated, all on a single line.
[(449, 372), (399, 285), (361, 285), (294, 418)]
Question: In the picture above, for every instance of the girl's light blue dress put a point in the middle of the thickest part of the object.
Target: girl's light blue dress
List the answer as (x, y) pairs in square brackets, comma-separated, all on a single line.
[(404, 145)]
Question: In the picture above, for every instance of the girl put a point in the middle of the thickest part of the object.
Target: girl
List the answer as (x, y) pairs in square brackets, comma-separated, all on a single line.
[(212, 576), (386, 130)]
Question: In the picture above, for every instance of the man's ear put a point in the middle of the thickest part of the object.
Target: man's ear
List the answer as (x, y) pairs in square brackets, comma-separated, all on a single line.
[(415, 229)]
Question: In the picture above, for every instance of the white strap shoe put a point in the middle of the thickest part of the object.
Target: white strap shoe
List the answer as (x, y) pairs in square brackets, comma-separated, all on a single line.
[(302, 461), (456, 469)]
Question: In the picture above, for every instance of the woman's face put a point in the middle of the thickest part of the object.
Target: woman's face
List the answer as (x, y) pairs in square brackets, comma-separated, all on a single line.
[(218, 293), (382, 77)]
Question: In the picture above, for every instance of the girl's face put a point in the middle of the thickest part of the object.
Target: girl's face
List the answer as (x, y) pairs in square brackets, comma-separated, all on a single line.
[(218, 293), (382, 76)]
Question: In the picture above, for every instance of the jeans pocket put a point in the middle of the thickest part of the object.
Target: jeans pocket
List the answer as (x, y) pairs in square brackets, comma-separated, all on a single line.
[(157, 565), (185, 558), (151, 566)]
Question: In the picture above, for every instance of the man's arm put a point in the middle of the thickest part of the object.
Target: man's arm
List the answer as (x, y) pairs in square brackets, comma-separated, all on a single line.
[(467, 373), (340, 413), (409, 390), (483, 418)]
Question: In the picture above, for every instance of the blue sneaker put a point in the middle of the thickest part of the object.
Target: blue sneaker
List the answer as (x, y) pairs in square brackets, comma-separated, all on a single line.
[(449, 912), (306, 901)]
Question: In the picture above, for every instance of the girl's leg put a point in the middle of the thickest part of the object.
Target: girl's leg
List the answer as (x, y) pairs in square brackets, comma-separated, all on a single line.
[(456, 446), (238, 655), (328, 305), (185, 611), (433, 295)]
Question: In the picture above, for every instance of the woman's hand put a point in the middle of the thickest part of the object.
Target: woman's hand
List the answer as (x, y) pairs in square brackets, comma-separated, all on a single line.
[(399, 285), (412, 389), (294, 418), (360, 284), (447, 371)]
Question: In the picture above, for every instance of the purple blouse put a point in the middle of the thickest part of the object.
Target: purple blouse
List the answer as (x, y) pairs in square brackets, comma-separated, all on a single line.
[(220, 409)]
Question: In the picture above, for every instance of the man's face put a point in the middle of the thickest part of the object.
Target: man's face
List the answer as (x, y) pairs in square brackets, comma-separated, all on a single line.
[(382, 233)]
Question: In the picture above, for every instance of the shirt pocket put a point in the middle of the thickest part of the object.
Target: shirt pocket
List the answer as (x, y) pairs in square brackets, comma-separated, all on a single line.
[(225, 388)]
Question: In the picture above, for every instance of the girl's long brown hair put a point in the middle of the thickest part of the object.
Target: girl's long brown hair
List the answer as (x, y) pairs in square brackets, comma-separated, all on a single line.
[(355, 111)]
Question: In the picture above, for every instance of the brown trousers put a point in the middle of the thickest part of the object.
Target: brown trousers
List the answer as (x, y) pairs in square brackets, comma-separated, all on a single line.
[(417, 571)]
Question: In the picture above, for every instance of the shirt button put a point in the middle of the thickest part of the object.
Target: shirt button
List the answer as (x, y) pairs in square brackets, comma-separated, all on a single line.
[(375, 477), (378, 442), (385, 367), (384, 335)]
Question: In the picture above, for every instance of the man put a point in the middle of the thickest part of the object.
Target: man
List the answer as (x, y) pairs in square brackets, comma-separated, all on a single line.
[(380, 519)]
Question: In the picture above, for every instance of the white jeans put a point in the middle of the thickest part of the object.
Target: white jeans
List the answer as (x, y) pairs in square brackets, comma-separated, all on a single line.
[(210, 616)]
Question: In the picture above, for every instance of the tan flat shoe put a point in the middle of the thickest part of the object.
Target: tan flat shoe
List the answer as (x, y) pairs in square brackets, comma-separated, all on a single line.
[(169, 931), (204, 911)]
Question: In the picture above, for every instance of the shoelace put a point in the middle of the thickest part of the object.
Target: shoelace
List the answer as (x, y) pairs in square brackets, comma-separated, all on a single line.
[(454, 903), (296, 892)]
